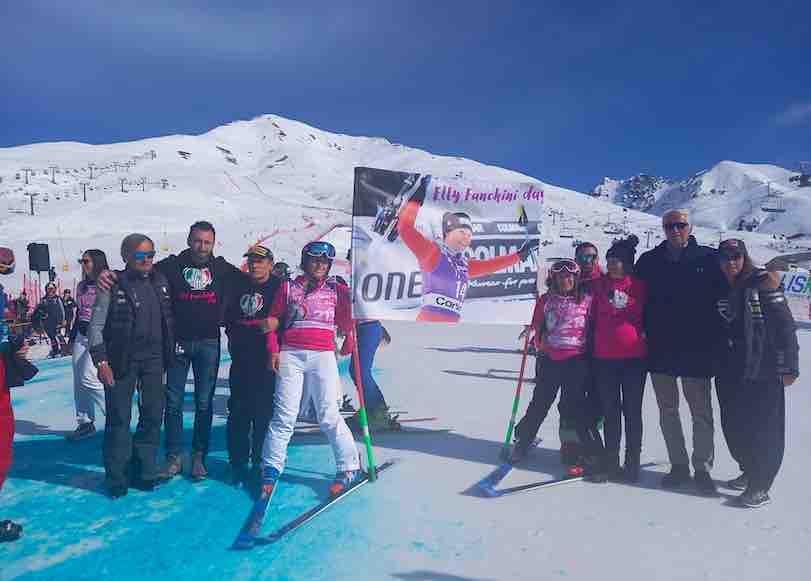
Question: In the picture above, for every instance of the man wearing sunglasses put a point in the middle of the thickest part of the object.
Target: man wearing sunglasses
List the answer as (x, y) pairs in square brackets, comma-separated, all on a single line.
[(132, 343), (198, 284), (680, 327)]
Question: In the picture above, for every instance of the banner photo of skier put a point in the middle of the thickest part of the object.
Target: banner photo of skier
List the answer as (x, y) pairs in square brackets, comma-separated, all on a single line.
[(439, 249)]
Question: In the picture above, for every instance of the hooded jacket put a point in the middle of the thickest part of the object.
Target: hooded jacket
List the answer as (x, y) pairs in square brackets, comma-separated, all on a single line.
[(759, 342)]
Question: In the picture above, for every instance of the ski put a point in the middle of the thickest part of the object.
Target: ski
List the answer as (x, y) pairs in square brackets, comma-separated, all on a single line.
[(246, 539), (315, 431), (493, 492), (309, 515), (487, 485)]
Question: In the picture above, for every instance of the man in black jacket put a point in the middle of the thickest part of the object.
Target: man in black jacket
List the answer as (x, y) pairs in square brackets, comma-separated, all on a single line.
[(198, 282), (131, 337), (252, 379), (52, 315), (680, 327)]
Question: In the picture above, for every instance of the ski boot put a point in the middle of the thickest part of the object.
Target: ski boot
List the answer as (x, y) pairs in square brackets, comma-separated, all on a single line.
[(344, 479), (269, 478)]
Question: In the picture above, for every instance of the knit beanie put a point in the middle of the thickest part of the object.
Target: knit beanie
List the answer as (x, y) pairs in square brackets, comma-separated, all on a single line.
[(624, 250)]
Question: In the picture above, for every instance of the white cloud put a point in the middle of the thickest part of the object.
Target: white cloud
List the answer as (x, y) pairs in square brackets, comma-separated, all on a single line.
[(795, 114)]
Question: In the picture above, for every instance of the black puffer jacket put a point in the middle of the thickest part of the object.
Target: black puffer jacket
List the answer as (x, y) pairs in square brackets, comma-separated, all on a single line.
[(759, 342), (680, 321)]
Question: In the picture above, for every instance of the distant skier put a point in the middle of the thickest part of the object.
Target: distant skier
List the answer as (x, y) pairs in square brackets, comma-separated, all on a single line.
[(446, 271), (309, 309)]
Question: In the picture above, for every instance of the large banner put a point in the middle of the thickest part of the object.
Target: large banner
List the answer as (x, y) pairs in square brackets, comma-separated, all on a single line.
[(440, 249)]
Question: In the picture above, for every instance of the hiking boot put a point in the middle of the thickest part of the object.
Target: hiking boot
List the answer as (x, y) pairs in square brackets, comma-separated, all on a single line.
[(754, 498), (10, 531), (679, 474), (344, 479), (705, 483), (739, 483), (594, 471), (174, 466), (198, 467), (570, 453), (238, 474), (117, 491), (269, 478), (83, 431), (630, 471)]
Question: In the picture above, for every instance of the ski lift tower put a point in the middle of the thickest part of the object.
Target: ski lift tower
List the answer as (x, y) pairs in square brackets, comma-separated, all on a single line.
[(804, 179), (774, 201)]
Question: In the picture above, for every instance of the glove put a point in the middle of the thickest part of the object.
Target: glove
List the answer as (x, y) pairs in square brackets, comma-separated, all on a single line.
[(422, 189), (349, 344), (527, 247)]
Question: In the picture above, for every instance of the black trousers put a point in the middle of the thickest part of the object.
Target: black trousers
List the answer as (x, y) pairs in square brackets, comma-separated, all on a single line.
[(570, 375), (622, 385), (250, 409), (125, 456), (753, 419)]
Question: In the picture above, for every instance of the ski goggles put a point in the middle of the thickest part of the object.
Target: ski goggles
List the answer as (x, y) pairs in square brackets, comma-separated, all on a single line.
[(320, 248), (141, 255), (567, 265), (675, 226)]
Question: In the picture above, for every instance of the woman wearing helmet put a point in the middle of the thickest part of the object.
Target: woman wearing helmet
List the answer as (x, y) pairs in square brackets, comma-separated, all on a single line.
[(561, 325), (446, 271), (308, 309)]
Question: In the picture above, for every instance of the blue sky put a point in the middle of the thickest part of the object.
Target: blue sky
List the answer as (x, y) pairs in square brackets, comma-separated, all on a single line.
[(568, 92)]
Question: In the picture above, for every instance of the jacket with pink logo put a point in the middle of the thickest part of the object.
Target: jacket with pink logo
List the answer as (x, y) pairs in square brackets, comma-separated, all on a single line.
[(309, 319), (562, 324)]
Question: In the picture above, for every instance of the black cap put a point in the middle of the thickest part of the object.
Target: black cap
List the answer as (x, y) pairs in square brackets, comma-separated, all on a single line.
[(259, 251)]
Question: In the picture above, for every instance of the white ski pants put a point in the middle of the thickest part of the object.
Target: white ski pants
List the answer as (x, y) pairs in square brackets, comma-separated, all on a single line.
[(306, 376), (88, 392)]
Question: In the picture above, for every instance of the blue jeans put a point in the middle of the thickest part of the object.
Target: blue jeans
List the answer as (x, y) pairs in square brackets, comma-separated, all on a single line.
[(369, 336), (203, 355)]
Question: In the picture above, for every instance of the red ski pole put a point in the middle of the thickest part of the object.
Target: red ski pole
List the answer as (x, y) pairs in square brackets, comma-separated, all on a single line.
[(505, 451)]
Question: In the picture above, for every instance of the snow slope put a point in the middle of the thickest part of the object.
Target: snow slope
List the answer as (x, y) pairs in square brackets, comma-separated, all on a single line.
[(726, 196), (417, 522), (269, 179)]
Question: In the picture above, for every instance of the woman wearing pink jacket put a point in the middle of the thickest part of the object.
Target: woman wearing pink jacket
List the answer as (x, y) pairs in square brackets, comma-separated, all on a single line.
[(619, 356)]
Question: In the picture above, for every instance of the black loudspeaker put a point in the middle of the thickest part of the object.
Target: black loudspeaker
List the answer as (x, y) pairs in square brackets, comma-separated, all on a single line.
[(39, 258)]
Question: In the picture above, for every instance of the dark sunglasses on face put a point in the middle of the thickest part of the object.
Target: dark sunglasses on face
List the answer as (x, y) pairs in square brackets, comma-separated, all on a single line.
[(676, 225), (730, 256), (586, 258), (144, 255), (84, 261)]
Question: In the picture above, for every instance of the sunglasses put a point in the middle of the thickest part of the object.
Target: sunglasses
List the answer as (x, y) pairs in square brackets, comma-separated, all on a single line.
[(316, 249), (569, 266), (84, 261), (144, 255), (586, 258), (676, 225), (730, 256)]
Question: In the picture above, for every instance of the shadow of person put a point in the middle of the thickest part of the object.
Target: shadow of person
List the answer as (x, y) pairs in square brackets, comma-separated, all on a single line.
[(29, 428)]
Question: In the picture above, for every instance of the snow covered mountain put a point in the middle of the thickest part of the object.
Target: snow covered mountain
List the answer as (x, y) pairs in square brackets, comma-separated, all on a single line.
[(271, 179), (728, 196)]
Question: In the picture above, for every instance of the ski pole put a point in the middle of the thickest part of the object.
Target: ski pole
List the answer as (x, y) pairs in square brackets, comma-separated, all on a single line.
[(511, 426), (364, 423)]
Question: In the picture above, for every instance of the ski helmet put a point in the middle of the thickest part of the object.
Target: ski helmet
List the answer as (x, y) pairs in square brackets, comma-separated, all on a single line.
[(454, 220), (318, 248)]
